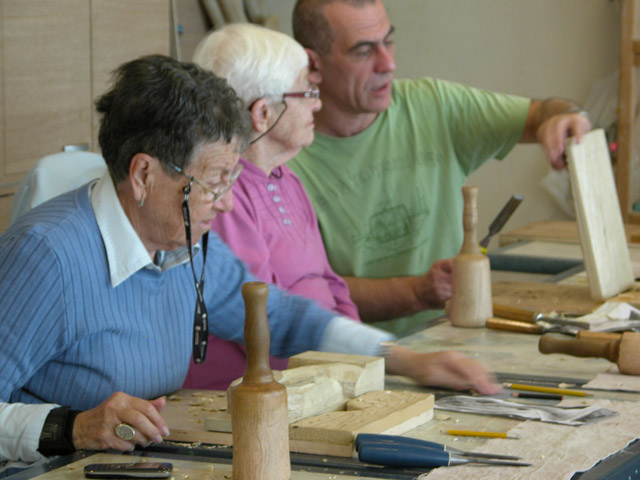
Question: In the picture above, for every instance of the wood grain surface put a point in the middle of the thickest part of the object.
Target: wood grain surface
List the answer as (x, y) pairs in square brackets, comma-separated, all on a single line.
[(557, 231), (602, 236)]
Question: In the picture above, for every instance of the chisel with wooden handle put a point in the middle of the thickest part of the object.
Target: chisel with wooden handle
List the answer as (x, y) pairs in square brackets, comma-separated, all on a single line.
[(523, 315), (513, 325), (526, 327), (513, 313)]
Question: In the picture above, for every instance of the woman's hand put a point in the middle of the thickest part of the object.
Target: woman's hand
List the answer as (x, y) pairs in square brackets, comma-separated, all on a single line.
[(95, 429), (448, 369)]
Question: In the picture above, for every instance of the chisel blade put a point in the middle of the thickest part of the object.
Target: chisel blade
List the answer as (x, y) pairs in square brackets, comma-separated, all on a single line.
[(502, 218)]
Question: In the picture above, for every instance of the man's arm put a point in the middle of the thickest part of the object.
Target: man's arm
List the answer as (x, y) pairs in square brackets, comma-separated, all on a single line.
[(550, 122), (380, 299)]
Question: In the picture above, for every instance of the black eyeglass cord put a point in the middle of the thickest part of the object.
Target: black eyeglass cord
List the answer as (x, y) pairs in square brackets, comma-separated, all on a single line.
[(272, 126), (200, 318)]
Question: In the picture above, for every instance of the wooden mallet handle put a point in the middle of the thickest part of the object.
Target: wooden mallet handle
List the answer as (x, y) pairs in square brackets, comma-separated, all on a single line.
[(580, 347)]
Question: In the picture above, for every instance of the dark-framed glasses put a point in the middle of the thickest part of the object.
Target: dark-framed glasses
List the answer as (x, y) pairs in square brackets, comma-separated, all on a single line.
[(219, 189)]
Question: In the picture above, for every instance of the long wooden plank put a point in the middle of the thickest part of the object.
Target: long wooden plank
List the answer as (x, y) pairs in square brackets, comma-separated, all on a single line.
[(557, 231), (602, 236), (544, 297)]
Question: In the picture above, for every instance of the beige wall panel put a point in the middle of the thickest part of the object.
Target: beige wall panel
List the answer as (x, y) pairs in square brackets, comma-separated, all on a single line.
[(195, 25), (2, 95), (46, 92), (5, 210), (123, 31)]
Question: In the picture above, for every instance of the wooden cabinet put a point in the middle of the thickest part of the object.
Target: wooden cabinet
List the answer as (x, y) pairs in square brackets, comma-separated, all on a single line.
[(55, 59)]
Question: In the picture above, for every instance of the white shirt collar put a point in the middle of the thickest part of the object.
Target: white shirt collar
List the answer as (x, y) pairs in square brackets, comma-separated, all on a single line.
[(126, 254)]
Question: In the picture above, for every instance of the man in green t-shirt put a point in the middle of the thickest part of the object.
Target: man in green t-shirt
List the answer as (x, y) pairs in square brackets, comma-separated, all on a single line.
[(390, 156)]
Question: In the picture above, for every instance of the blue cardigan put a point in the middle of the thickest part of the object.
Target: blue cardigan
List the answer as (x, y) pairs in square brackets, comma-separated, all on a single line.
[(68, 337)]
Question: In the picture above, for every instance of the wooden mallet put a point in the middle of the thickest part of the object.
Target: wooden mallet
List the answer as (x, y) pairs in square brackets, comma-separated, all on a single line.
[(625, 350)]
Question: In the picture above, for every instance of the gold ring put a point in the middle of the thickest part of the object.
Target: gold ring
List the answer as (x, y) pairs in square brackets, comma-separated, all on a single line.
[(125, 432)]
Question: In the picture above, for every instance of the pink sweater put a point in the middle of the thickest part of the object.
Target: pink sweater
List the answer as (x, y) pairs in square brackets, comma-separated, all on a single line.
[(274, 229)]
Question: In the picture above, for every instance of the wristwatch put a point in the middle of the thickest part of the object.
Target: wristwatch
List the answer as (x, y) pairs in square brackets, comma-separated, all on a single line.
[(385, 349), (577, 110), (56, 437)]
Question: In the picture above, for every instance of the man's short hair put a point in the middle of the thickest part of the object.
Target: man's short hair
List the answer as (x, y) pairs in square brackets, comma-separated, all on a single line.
[(256, 61), (166, 109), (310, 26)]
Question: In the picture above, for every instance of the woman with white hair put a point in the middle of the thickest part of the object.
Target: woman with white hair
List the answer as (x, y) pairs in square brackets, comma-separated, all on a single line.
[(272, 227)]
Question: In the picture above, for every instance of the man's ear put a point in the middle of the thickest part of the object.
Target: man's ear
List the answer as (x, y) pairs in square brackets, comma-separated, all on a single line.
[(315, 66), (259, 113)]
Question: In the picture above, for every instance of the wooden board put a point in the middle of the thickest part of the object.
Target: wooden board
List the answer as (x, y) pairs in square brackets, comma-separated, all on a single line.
[(202, 416), (558, 231), (382, 411), (602, 235), (542, 297)]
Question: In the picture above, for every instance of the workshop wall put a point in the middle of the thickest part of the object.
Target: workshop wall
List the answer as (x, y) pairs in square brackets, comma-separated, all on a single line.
[(535, 49)]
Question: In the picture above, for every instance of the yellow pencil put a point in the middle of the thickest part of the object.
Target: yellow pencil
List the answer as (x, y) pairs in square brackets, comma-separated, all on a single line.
[(534, 388), (471, 433)]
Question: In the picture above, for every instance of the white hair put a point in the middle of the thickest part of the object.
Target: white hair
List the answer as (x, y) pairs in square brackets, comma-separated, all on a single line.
[(256, 62)]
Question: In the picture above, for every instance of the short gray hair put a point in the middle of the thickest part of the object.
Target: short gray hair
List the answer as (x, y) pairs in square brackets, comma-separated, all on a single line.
[(310, 26), (256, 62)]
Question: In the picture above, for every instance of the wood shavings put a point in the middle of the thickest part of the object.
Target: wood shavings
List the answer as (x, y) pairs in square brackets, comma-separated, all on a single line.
[(174, 398)]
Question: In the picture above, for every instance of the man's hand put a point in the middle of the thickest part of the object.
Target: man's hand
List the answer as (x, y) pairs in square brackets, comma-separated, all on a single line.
[(554, 131), (448, 369), (434, 287), (381, 299), (95, 429)]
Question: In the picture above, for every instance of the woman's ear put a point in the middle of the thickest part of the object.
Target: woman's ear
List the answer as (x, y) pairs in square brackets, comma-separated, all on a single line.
[(260, 115), (142, 171)]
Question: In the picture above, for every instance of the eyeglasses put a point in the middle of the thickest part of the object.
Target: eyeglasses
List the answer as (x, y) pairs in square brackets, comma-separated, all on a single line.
[(220, 188), (312, 93)]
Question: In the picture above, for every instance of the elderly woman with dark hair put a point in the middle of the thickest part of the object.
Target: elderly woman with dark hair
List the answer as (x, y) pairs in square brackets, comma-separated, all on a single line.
[(97, 294), (97, 285)]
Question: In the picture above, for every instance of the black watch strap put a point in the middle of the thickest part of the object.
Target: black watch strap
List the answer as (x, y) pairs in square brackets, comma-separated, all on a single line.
[(56, 437)]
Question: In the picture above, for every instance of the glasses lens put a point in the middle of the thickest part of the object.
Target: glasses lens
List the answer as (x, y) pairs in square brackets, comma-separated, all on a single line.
[(224, 186)]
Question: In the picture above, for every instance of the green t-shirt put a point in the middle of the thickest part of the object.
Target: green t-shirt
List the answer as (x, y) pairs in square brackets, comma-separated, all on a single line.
[(389, 199)]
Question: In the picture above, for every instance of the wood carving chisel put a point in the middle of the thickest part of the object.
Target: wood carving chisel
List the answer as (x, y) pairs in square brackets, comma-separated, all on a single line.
[(381, 439), (501, 219), (419, 457)]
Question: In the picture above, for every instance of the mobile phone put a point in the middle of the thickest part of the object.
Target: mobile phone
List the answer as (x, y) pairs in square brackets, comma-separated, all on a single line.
[(129, 470)]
